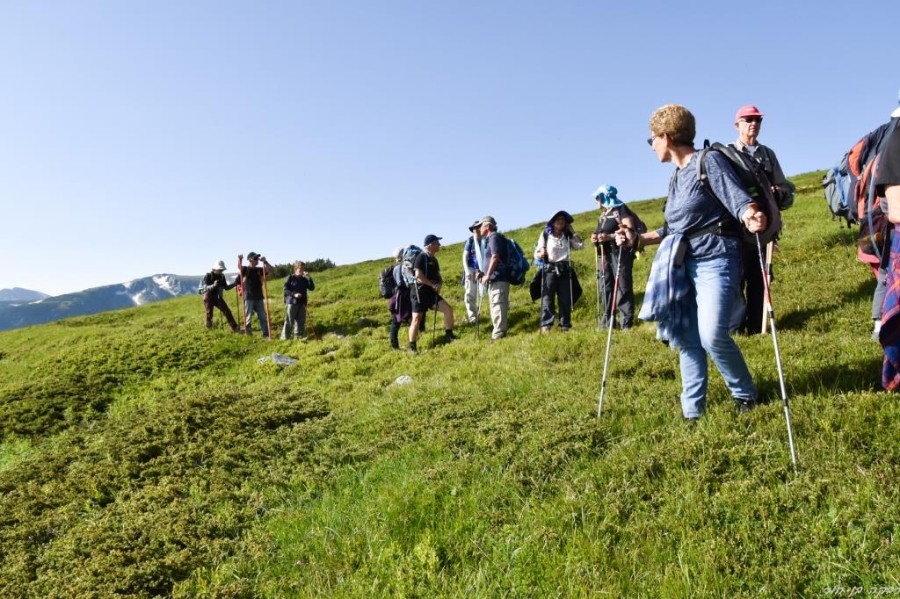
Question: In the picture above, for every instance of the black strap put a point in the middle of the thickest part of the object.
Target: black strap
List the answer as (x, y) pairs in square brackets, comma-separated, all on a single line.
[(721, 228)]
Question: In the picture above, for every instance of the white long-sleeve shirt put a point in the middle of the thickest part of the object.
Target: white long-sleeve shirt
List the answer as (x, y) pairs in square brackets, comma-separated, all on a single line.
[(557, 247)]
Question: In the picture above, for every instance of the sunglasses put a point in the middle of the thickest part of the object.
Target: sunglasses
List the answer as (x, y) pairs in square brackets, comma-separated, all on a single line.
[(752, 119)]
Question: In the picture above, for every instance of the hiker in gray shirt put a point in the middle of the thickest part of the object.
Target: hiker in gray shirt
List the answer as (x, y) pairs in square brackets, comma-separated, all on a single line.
[(748, 122)]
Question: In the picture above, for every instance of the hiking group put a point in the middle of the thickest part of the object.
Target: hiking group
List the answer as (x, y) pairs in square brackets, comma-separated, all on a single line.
[(707, 279), (252, 284)]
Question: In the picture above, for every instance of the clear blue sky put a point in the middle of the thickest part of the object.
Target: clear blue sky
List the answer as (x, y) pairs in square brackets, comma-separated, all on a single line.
[(139, 138)]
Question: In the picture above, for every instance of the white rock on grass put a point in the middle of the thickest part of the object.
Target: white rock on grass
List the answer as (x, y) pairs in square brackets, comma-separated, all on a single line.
[(280, 359)]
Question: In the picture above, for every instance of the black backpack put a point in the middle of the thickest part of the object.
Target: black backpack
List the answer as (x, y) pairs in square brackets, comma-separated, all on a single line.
[(755, 182), (387, 286)]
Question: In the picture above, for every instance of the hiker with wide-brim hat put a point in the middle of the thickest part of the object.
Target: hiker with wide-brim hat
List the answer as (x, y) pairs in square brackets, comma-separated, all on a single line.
[(614, 215), (212, 287), (559, 281)]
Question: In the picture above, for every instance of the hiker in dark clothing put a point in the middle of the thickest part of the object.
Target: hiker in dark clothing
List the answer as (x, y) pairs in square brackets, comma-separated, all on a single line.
[(399, 304), (748, 122), (888, 185), (213, 288), (426, 294), (615, 215), (559, 280), (296, 287), (252, 283)]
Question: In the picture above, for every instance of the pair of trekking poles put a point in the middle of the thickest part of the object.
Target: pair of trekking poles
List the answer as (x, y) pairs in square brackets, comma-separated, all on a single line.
[(771, 317)]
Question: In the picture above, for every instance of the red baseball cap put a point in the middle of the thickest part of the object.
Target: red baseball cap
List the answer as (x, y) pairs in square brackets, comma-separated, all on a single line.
[(748, 110)]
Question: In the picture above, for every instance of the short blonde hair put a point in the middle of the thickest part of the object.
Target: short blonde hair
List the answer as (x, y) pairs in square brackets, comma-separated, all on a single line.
[(676, 121), (299, 264)]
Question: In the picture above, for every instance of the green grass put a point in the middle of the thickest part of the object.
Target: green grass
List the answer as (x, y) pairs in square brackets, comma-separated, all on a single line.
[(143, 455)]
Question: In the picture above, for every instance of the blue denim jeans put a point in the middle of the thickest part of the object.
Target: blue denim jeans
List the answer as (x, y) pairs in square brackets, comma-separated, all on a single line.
[(259, 307), (713, 305)]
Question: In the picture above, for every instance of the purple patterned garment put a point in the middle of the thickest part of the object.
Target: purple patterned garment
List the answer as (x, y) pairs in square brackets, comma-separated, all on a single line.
[(889, 337)]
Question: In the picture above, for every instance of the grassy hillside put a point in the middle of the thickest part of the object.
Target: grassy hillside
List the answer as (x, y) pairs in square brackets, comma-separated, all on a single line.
[(143, 455)]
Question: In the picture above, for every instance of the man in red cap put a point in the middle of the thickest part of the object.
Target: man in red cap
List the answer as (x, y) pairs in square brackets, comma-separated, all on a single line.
[(748, 122)]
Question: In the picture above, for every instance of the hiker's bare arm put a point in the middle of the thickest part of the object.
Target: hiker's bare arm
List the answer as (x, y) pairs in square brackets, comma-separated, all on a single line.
[(651, 238), (892, 194)]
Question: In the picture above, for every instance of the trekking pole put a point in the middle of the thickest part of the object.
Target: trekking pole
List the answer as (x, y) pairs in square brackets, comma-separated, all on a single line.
[(767, 273), (598, 249), (266, 300), (482, 289), (571, 291), (239, 288), (237, 299), (604, 260), (542, 271), (609, 326), (784, 397), (477, 306), (434, 321)]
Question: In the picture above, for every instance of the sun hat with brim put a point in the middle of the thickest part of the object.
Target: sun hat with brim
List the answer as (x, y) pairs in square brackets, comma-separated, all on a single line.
[(220, 265), (474, 226), (608, 197), (564, 214), (745, 111)]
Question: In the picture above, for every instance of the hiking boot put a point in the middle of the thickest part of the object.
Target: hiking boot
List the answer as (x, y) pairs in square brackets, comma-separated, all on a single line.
[(745, 406), (412, 347), (545, 329), (395, 345), (449, 337)]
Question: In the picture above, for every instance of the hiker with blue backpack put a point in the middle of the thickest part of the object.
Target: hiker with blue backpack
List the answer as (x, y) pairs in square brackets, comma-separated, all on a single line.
[(694, 285), (616, 262), (426, 292), (495, 275), (748, 122), (558, 278), (396, 291)]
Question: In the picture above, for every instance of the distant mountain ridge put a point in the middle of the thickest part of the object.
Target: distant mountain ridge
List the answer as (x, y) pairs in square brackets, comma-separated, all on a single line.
[(43, 308), (19, 295)]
